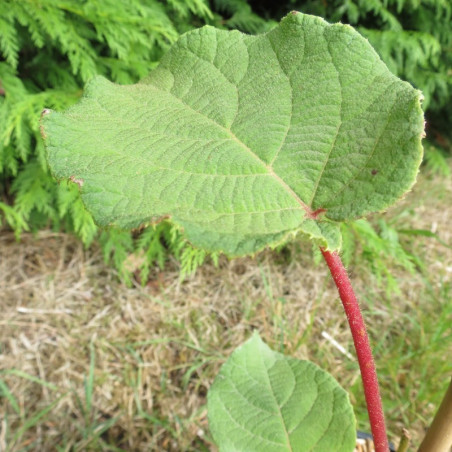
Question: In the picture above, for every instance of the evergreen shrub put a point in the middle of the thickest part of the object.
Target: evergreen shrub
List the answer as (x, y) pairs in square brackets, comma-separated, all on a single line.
[(50, 48)]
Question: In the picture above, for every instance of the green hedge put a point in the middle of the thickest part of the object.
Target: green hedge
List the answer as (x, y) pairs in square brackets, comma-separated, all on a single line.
[(50, 48)]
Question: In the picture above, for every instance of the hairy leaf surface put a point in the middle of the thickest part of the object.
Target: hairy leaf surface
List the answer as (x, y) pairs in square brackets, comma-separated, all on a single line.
[(264, 401), (243, 140)]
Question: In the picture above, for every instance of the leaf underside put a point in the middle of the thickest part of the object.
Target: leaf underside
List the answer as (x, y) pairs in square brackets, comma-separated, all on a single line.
[(264, 401), (243, 140)]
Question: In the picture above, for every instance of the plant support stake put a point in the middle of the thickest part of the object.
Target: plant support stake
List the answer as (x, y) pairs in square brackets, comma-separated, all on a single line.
[(362, 347), (439, 435)]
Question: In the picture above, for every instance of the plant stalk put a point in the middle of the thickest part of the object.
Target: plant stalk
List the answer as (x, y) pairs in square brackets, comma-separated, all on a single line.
[(404, 441), (363, 350), (439, 435)]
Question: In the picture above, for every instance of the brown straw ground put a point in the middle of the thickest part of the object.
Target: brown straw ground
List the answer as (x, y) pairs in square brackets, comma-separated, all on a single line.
[(88, 364)]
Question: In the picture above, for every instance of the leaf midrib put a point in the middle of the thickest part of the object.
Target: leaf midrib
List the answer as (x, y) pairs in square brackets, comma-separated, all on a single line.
[(234, 137), (289, 444)]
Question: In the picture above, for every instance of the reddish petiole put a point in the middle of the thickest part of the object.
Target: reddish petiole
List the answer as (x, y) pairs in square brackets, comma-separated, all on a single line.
[(363, 350)]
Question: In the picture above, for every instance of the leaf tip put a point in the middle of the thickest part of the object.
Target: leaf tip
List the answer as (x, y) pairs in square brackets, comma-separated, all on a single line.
[(256, 335), (44, 112), (424, 134)]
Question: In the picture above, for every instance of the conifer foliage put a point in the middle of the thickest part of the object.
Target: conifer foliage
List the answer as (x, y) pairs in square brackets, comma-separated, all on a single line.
[(49, 50)]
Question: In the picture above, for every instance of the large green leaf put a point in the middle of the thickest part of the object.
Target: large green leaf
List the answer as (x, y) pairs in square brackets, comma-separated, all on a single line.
[(264, 401), (243, 140)]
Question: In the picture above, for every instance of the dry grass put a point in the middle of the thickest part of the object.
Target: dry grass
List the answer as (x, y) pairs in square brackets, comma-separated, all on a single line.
[(91, 365)]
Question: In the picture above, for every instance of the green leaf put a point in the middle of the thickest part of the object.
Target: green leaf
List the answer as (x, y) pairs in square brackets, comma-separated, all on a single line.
[(245, 140), (264, 401)]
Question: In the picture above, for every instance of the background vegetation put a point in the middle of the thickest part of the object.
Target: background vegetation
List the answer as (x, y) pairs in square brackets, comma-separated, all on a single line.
[(50, 48), (164, 342), (88, 364)]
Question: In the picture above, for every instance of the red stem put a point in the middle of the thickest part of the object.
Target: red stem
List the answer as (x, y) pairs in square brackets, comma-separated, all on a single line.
[(363, 350)]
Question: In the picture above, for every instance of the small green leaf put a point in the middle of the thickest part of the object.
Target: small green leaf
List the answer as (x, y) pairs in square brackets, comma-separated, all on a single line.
[(264, 401), (245, 140)]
